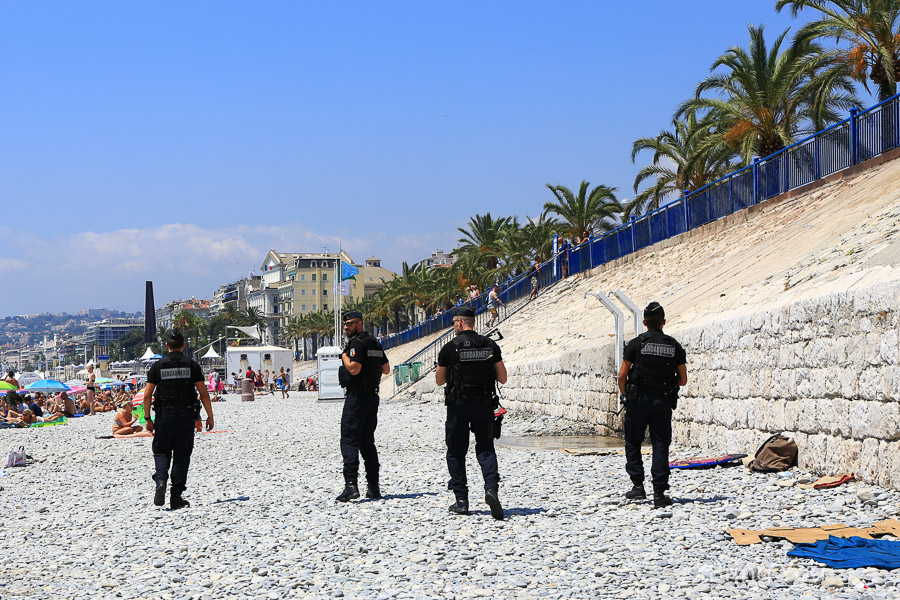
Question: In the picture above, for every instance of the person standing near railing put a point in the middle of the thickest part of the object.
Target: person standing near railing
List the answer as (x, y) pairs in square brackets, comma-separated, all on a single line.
[(494, 304)]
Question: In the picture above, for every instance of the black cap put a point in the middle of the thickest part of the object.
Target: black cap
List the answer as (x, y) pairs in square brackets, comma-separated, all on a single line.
[(352, 314), (175, 340), (464, 311), (654, 309)]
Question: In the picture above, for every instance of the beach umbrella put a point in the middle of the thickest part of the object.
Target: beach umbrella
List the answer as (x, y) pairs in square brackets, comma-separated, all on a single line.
[(6, 386), (77, 389), (104, 380), (49, 386), (118, 384), (73, 382)]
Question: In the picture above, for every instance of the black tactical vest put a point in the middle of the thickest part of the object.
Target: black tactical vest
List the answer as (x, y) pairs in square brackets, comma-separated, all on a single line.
[(175, 391), (654, 367), (369, 376), (474, 376)]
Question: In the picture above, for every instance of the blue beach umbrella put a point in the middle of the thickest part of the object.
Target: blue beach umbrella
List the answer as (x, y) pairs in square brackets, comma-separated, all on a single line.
[(48, 386)]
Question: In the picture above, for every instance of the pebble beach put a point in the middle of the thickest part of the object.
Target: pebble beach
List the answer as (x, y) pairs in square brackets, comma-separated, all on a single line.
[(79, 520)]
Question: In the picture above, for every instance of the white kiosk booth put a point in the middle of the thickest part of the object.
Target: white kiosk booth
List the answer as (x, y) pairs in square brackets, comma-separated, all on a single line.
[(329, 359), (273, 358)]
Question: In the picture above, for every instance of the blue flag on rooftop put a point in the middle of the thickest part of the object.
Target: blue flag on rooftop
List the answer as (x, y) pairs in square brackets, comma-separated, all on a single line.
[(348, 271)]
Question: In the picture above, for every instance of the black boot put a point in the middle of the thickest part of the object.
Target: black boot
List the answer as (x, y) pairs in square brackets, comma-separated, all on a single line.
[(490, 496), (659, 497), (636, 493), (461, 506), (176, 501), (351, 492), (159, 498), (373, 491)]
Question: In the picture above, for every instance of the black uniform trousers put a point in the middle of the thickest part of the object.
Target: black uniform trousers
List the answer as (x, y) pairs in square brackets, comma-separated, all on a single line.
[(358, 422), (656, 411), (478, 417), (173, 442)]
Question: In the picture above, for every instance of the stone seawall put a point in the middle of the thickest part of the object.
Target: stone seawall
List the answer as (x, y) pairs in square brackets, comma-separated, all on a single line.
[(826, 370)]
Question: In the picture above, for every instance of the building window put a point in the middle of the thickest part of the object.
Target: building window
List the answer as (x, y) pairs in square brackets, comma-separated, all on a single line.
[(314, 307), (302, 277), (314, 292), (324, 292), (313, 265), (324, 307), (302, 307), (324, 276), (314, 275), (302, 292)]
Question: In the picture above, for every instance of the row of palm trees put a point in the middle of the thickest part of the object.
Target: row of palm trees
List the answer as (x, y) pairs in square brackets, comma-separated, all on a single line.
[(757, 100), (760, 99)]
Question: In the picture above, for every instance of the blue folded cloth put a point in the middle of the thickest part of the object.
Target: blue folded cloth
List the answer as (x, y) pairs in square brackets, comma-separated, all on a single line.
[(843, 553)]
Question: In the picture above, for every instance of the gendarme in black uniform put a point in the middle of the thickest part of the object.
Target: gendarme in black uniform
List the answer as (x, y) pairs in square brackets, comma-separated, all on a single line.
[(651, 395), (470, 360), (360, 415), (175, 405)]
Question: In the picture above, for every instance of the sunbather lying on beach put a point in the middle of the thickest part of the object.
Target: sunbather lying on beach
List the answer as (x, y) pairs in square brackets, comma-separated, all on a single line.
[(29, 418)]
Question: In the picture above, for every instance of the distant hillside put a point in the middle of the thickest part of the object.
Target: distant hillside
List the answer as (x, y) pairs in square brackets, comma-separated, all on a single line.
[(24, 329)]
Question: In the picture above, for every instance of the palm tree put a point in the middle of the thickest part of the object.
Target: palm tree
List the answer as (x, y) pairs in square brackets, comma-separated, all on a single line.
[(767, 96), (872, 31), (678, 162), (483, 238), (588, 211)]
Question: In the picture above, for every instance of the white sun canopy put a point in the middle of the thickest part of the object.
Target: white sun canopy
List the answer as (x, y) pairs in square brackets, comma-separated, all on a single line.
[(211, 353)]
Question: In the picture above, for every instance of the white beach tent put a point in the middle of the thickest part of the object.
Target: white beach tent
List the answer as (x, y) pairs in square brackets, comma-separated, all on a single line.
[(210, 354), (147, 355)]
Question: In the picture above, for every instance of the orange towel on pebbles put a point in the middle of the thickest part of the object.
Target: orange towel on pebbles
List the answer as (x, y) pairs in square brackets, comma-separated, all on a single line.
[(807, 535), (829, 481)]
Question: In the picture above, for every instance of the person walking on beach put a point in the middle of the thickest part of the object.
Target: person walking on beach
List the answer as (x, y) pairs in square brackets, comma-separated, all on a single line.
[(177, 380), (653, 368), (471, 365), (364, 362), (494, 304)]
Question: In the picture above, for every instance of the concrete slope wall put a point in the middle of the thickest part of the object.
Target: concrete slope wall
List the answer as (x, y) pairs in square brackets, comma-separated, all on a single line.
[(826, 370)]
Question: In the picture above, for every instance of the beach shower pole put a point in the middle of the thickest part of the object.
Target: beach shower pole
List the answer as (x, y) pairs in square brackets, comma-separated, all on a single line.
[(619, 327), (631, 306)]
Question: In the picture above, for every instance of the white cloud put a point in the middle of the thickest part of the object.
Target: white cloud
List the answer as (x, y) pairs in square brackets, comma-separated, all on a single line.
[(8, 265), (69, 272)]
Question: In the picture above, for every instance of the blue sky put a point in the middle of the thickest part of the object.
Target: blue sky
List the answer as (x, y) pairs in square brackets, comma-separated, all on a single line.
[(178, 142)]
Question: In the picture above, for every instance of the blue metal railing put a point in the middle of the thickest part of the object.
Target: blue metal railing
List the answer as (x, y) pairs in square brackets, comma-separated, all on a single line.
[(864, 135)]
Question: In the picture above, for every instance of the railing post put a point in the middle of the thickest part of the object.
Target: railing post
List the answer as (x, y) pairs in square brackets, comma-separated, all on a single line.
[(896, 113), (756, 180), (731, 193), (817, 166), (555, 253), (785, 169), (591, 249), (687, 220), (633, 244), (854, 136)]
